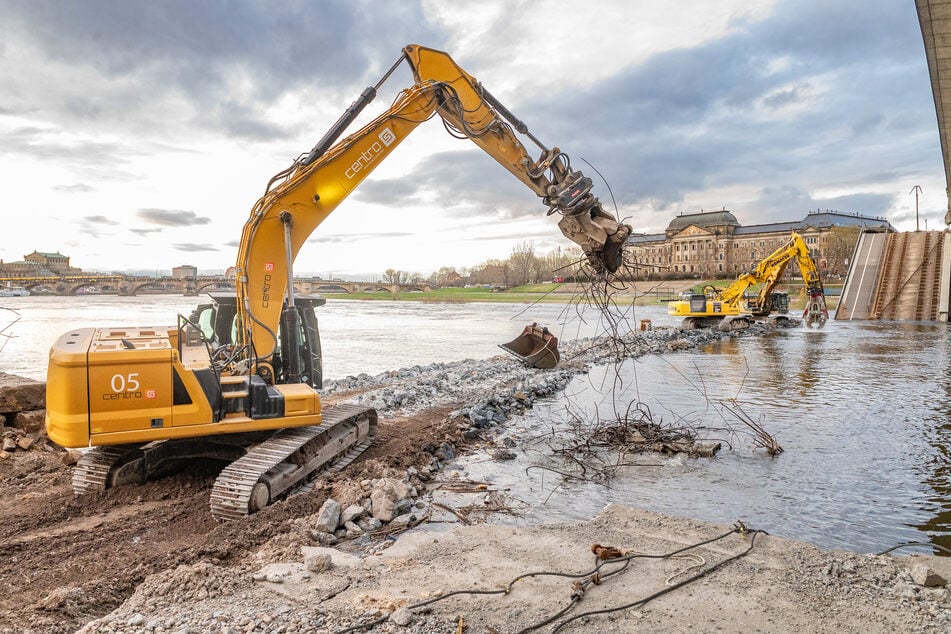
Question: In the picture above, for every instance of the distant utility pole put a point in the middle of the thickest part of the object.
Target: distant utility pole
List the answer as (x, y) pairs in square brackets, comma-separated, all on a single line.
[(916, 189)]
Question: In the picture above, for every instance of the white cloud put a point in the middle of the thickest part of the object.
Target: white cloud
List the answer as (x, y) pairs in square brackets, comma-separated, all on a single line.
[(766, 108)]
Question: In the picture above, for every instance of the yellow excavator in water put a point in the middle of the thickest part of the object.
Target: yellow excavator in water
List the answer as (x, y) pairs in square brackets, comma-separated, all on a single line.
[(237, 379), (730, 308)]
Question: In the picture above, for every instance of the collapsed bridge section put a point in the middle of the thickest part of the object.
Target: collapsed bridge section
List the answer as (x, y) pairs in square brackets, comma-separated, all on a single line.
[(898, 276)]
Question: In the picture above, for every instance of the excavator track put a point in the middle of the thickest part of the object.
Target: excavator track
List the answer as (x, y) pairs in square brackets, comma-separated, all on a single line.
[(91, 474), (290, 457)]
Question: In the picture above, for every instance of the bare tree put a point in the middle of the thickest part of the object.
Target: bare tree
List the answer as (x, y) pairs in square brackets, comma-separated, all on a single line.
[(394, 277), (838, 245), (557, 264), (523, 263)]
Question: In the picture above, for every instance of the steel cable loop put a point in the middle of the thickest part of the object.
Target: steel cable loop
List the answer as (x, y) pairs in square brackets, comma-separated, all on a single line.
[(641, 602), (586, 579)]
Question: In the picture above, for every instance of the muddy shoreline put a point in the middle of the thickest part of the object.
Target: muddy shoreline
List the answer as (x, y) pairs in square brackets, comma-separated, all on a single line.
[(150, 557)]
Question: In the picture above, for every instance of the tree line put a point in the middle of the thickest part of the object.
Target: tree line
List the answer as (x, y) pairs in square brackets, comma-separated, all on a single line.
[(525, 266), (522, 266)]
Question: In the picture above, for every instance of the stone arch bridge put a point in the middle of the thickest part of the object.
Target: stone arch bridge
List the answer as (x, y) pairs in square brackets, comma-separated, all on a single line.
[(126, 285)]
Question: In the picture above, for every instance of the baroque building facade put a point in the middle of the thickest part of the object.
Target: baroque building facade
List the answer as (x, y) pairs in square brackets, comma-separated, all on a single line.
[(39, 264), (711, 244)]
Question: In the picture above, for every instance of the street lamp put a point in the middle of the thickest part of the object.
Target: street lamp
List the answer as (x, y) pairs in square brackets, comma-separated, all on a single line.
[(916, 189)]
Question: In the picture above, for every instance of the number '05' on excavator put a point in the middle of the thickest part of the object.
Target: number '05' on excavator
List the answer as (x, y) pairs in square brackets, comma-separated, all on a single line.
[(238, 379)]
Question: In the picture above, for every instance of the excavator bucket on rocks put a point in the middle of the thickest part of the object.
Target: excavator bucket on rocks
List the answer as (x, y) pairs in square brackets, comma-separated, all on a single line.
[(536, 346)]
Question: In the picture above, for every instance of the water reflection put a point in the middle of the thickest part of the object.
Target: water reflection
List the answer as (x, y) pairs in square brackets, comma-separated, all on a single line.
[(866, 465), (937, 470)]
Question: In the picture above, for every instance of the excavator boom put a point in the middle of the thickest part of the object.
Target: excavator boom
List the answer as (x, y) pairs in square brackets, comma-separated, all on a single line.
[(299, 198)]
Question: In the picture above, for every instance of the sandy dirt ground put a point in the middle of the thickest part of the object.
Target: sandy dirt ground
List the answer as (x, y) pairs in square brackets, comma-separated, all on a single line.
[(150, 558), (67, 560)]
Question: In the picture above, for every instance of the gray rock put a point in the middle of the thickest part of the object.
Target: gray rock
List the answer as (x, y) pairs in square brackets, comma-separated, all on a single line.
[(386, 494), (351, 513), (404, 520), (318, 562), (403, 617), (446, 451), (328, 517), (323, 538), (370, 524)]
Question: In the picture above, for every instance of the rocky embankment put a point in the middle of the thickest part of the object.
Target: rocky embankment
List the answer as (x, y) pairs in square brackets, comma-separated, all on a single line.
[(369, 548)]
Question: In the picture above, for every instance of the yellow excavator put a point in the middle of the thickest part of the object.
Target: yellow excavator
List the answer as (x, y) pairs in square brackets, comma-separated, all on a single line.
[(238, 379), (730, 308)]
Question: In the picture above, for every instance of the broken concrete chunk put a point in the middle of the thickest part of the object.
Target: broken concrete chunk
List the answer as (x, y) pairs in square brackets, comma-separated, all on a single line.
[(922, 575), (19, 394)]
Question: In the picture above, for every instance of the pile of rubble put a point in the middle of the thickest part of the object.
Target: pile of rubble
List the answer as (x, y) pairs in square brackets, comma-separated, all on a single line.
[(495, 387), (22, 414), (376, 505)]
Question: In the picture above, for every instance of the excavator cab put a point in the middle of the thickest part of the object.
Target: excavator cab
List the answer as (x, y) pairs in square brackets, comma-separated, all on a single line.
[(779, 302), (217, 322)]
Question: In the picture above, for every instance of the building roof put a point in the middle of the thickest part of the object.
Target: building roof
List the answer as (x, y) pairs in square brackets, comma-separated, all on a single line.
[(638, 238), (703, 219), (47, 255), (825, 219), (767, 228), (814, 219)]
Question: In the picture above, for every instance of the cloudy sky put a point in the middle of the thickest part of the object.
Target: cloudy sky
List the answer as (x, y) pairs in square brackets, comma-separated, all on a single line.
[(137, 135)]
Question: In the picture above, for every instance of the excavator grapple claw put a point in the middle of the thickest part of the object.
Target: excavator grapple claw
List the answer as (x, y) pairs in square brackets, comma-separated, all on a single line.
[(815, 314)]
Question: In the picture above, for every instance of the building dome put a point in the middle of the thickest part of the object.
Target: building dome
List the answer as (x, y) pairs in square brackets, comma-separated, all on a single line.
[(705, 219)]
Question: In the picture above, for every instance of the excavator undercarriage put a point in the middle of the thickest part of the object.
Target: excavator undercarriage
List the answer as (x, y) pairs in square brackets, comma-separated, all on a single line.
[(262, 467)]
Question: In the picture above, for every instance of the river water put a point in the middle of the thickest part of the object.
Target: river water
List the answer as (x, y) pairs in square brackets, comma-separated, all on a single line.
[(861, 410)]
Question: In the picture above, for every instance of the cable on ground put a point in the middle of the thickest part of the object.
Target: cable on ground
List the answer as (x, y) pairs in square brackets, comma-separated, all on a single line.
[(603, 556)]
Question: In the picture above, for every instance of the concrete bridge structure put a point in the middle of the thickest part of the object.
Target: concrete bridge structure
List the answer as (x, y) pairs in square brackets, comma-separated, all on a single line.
[(907, 276), (127, 285)]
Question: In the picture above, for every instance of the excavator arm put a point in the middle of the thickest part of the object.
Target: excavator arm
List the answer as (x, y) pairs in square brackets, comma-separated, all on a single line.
[(300, 197), (769, 271)]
